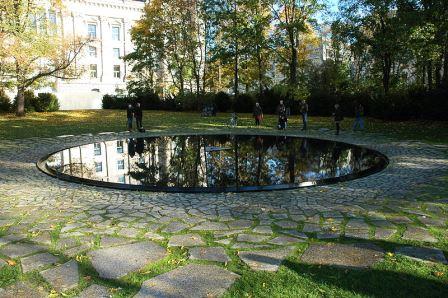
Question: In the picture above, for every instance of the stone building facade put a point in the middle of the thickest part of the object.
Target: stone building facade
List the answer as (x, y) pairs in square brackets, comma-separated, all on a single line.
[(108, 23)]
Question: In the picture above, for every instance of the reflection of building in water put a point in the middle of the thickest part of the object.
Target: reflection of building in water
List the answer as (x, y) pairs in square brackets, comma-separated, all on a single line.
[(195, 161)]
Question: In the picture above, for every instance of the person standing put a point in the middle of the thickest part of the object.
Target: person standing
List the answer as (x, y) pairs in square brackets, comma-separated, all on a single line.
[(337, 117), (130, 116), (304, 112), (282, 118), (258, 114), (138, 116), (359, 114)]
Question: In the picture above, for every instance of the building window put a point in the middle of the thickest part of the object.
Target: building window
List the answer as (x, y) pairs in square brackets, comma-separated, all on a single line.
[(52, 17), (115, 33), (98, 167), (116, 53), (97, 149), (117, 72), (92, 51), (119, 146), (93, 71), (122, 179), (120, 164), (91, 28)]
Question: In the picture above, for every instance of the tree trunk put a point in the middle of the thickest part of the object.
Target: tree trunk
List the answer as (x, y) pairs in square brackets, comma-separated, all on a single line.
[(437, 72), (235, 24), (293, 62), (387, 64), (260, 71), (20, 101), (445, 68), (429, 74)]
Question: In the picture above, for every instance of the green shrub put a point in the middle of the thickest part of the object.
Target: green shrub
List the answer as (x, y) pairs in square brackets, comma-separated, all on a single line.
[(5, 102), (46, 102)]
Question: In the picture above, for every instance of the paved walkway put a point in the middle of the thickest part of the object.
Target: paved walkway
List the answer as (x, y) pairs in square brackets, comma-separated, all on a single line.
[(41, 214)]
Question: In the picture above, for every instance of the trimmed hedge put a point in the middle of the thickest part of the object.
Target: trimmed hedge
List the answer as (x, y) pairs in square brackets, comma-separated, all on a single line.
[(414, 103)]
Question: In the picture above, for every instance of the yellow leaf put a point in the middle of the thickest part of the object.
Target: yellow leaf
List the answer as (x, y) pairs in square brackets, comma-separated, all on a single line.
[(11, 262), (438, 273)]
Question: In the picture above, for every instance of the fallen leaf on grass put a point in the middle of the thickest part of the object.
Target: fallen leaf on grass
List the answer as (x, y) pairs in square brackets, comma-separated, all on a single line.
[(11, 262), (438, 273)]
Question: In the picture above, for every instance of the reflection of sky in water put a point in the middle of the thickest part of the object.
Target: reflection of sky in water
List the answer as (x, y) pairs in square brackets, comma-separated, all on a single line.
[(212, 161)]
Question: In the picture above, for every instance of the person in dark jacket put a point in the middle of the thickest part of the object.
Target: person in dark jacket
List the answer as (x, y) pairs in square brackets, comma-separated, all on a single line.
[(258, 114), (130, 116), (337, 114), (282, 118), (304, 112), (138, 112)]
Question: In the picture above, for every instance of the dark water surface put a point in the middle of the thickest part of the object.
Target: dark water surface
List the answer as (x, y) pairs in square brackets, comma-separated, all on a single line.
[(213, 163)]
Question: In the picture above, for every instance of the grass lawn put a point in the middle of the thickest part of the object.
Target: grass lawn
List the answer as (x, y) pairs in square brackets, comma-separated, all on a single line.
[(394, 277), (94, 121)]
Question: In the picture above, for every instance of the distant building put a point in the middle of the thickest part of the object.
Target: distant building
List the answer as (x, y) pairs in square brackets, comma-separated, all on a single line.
[(108, 23)]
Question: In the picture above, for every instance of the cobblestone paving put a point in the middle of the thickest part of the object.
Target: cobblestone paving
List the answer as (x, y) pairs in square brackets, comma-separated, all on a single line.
[(41, 214)]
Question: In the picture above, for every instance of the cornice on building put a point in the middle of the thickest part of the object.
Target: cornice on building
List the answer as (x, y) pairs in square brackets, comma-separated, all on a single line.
[(131, 5)]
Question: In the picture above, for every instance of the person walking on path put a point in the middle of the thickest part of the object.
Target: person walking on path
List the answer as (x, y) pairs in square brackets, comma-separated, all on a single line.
[(130, 116), (258, 114), (304, 112), (138, 112), (359, 114), (337, 117), (282, 118)]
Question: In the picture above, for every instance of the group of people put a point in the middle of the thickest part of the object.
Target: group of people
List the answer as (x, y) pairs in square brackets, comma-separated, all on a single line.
[(283, 114), (134, 111)]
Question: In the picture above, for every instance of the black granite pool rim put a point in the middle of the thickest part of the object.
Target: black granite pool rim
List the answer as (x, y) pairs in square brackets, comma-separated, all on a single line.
[(42, 166)]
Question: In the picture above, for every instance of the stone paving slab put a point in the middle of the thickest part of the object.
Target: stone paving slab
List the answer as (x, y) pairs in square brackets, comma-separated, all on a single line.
[(285, 240), (240, 224), (422, 254), (63, 277), (418, 234), (37, 261), (22, 289), (251, 238), (11, 238), (210, 226), (384, 234), (263, 230), (360, 255), (265, 260), (216, 254), (15, 250), (95, 291), (186, 240), (118, 261), (190, 281), (174, 227)]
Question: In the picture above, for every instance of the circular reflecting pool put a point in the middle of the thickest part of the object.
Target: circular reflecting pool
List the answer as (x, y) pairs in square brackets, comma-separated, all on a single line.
[(213, 163)]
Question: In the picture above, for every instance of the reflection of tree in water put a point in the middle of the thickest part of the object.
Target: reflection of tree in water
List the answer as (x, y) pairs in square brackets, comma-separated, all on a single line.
[(223, 161)]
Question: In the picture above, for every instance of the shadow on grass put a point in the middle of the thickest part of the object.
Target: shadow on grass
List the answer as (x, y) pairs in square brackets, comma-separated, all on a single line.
[(371, 282)]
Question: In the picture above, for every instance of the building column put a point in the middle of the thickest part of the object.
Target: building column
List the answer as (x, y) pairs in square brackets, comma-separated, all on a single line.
[(126, 27), (101, 36)]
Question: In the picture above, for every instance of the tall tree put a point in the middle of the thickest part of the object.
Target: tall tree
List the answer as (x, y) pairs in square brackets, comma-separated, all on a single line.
[(291, 19), (376, 26), (32, 48)]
